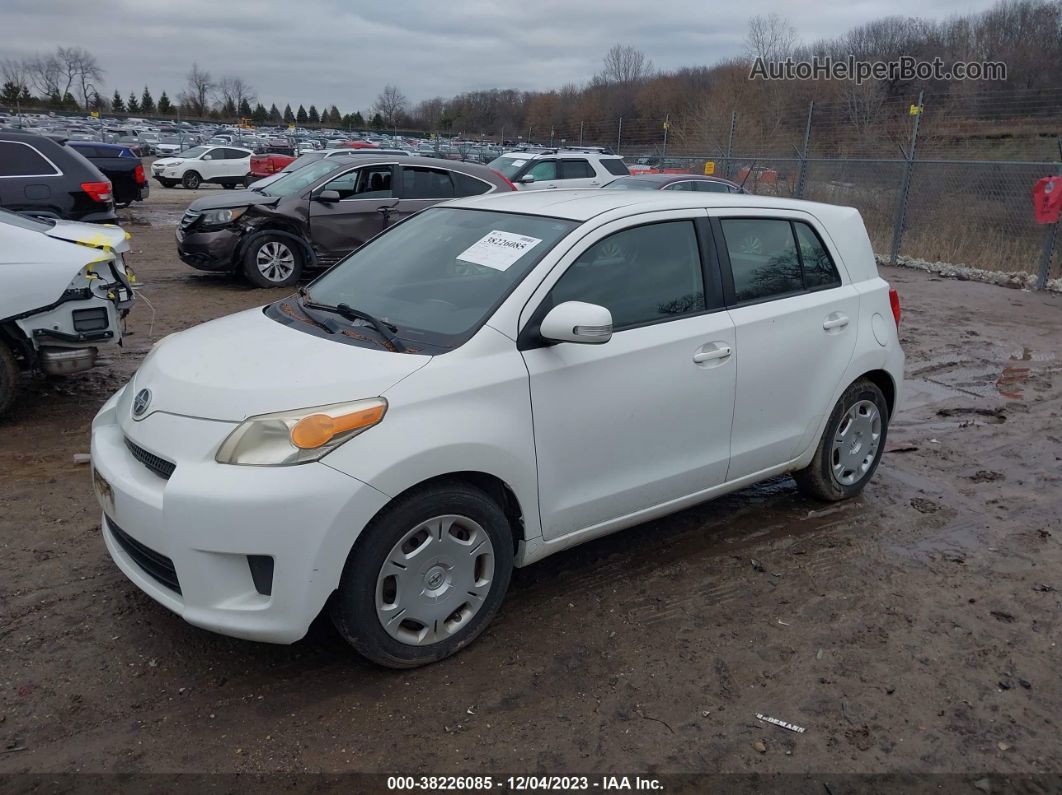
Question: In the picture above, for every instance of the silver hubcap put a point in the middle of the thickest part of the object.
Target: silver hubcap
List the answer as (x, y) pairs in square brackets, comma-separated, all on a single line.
[(275, 261), (434, 580), (855, 443)]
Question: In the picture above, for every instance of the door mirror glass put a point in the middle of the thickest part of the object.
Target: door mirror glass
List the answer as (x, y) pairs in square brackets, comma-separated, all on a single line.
[(576, 321), (328, 196), (527, 179)]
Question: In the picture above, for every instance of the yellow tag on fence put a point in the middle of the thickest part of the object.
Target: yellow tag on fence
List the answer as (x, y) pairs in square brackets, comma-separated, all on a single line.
[(916, 109), (709, 168)]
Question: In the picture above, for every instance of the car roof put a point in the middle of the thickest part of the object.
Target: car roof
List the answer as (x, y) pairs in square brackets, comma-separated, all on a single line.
[(99, 145), (668, 178), (582, 205), (559, 152)]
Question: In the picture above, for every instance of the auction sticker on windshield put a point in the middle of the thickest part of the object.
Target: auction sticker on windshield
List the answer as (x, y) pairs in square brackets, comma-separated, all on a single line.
[(498, 250)]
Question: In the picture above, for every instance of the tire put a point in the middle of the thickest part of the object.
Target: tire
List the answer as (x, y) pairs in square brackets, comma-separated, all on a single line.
[(228, 185), (167, 183), (8, 378), (844, 464), (439, 521), (249, 180), (191, 180), (273, 261)]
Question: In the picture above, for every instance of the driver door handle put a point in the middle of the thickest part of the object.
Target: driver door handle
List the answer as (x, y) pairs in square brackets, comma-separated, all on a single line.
[(712, 351)]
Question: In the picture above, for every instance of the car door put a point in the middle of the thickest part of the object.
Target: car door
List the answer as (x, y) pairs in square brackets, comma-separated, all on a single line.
[(420, 187), (576, 172), (795, 320), (643, 419), (546, 175), (210, 165), (339, 227)]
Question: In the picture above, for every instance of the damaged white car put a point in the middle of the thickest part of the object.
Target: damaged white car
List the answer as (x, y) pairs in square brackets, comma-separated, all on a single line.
[(64, 293)]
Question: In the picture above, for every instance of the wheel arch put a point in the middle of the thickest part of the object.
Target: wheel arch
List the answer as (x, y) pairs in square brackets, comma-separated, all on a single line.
[(883, 381)]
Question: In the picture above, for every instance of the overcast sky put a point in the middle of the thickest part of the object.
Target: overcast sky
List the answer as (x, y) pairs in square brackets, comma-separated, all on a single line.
[(331, 51)]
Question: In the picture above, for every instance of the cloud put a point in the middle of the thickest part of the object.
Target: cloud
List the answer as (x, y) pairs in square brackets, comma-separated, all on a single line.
[(327, 52)]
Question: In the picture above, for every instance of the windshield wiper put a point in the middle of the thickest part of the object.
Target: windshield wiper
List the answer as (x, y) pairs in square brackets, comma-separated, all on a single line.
[(385, 329)]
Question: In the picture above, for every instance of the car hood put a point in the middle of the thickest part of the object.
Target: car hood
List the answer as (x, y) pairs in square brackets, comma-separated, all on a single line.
[(105, 236), (229, 198), (246, 364), (168, 161)]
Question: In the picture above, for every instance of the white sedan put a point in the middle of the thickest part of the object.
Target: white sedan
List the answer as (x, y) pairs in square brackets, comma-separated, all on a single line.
[(484, 384)]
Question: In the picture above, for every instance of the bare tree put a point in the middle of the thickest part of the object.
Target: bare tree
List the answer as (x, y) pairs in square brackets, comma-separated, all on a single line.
[(80, 70), (16, 71), (45, 72), (390, 103), (771, 38), (196, 96), (626, 65), (235, 91)]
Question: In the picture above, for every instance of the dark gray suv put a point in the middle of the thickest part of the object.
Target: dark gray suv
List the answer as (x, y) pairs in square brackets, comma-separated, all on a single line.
[(315, 216)]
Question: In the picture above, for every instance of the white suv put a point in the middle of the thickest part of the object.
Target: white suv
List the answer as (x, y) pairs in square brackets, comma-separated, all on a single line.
[(226, 165), (560, 168), (484, 384)]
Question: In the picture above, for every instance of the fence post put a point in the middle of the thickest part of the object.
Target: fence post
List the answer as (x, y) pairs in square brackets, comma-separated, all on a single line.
[(729, 145), (804, 154), (580, 135), (905, 187), (619, 136), (663, 151)]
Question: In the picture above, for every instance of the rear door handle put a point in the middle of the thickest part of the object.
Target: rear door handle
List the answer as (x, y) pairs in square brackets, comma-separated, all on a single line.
[(835, 320), (713, 351)]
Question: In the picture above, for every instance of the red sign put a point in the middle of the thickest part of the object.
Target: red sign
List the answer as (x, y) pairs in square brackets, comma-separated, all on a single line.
[(1047, 200)]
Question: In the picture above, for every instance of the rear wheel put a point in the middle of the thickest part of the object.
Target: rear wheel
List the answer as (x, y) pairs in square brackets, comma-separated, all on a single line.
[(8, 378), (191, 180), (426, 577), (273, 261), (850, 447)]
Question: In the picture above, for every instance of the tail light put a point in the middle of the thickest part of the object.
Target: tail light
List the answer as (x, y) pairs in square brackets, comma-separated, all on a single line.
[(894, 302), (138, 175), (508, 181), (98, 191)]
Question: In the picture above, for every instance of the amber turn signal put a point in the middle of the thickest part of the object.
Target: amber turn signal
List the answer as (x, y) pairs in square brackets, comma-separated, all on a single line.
[(319, 429)]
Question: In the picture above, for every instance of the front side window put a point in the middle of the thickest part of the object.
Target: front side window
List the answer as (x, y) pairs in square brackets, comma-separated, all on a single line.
[(543, 169), (426, 183), (370, 182), (439, 275), (641, 275), (195, 152)]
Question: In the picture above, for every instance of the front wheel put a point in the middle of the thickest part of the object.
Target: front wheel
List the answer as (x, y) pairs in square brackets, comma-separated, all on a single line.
[(426, 577), (273, 261), (191, 180), (851, 446)]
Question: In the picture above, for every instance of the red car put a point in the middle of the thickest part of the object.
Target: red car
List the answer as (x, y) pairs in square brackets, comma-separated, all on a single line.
[(267, 164)]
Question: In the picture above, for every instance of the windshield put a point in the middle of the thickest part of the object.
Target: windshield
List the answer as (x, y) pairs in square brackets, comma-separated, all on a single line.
[(297, 181), (508, 165), (195, 152), (626, 183), (439, 275), (25, 222), (299, 162)]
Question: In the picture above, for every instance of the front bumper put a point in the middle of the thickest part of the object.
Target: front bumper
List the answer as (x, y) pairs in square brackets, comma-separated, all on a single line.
[(201, 524), (208, 251)]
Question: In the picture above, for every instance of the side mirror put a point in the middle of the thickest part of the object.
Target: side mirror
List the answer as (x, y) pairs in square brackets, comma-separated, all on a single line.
[(527, 179), (576, 321), (328, 196)]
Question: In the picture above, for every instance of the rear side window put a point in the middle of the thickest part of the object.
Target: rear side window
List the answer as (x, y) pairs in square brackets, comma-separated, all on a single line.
[(641, 275), (426, 183), (22, 160), (819, 270), (707, 186), (464, 185), (615, 166), (576, 169), (687, 185), (763, 258), (770, 258)]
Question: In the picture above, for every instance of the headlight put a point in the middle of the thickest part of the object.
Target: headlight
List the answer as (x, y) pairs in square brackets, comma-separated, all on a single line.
[(299, 436), (221, 217)]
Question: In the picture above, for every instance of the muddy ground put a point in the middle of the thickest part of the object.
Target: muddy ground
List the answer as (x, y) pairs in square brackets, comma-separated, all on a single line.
[(913, 629)]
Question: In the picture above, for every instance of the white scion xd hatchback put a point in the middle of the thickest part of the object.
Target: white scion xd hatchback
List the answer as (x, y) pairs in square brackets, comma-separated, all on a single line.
[(486, 383)]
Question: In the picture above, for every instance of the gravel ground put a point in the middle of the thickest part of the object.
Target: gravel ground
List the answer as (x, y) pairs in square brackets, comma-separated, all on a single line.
[(913, 629)]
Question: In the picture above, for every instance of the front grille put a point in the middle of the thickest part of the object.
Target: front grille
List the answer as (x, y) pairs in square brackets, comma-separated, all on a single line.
[(189, 218), (155, 565), (160, 466)]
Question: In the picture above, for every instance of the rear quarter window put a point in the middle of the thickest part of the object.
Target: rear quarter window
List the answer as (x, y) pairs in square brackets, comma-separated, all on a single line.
[(615, 166), (19, 159), (464, 185)]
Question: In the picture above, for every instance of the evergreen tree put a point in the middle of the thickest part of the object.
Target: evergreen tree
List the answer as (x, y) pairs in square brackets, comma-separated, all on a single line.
[(260, 115), (313, 117), (335, 117), (10, 93), (53, 100), (245, 109), (147, 102), (228, 110), (68, 102), (26, 98), (132, 104), (165, 107), (274, 114), (300, 117), (377, 122), (357, 120), (289, 117), (117, 103)]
